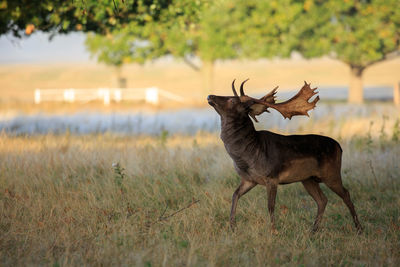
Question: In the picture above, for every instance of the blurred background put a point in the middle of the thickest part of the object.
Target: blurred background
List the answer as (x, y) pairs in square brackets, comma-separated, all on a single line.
[(111, 156), (136, 67)]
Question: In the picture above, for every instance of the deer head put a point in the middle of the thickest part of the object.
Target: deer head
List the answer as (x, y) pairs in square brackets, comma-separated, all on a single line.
[(244, 105)]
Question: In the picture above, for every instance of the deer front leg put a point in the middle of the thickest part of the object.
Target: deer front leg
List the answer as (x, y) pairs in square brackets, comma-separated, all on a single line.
[(244, 187), (271, 191)]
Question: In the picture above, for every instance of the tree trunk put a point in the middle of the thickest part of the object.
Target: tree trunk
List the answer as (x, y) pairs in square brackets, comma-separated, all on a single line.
[(120, 81), (356, 93), (396, 94), (207, 70)]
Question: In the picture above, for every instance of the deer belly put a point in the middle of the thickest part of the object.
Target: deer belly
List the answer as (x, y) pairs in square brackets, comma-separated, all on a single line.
[(298, 170)]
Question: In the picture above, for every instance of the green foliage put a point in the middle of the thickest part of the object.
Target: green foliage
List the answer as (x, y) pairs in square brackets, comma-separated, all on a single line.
[(262, 28), (118, 31), (119, 173), (169, 32), (212, 37), (222, 29), (164, 137), (358, 33), (116, 49), (173, 32), (58, 16), (207, 30)]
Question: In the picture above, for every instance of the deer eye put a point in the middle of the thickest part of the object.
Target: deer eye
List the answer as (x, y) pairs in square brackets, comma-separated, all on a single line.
[(233, 100)]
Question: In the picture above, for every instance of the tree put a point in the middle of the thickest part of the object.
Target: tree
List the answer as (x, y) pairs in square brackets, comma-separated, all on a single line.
[(106, 20), (116, 49), (138, 41), (223, 29), (229, 29), (358, 33), (213, 38), (61, 16), (263, 31), (245, 29), (193, 29), (186, 30)]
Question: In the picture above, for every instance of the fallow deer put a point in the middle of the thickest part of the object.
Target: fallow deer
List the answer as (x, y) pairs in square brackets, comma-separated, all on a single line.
[(270, 159)]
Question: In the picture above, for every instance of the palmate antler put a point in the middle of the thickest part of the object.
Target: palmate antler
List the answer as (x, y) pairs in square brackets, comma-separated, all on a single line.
[(297, 105)]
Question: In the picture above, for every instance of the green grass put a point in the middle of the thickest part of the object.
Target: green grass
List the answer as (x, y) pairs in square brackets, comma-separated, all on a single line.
[(63, 203)]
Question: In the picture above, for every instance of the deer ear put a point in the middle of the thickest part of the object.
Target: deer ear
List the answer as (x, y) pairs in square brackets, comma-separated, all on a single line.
[(257, 109)]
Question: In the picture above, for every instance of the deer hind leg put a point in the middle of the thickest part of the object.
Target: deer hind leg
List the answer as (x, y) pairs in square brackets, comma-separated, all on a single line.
[(339, 189), (244, 187), (271, 191), (316, 193)]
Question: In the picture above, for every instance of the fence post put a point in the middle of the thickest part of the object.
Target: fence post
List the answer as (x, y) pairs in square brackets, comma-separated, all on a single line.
[(37, 96), (152, 95), (106, 97), (69, 95), (66, 95), (396, 94), (117, 95), (72, 95)]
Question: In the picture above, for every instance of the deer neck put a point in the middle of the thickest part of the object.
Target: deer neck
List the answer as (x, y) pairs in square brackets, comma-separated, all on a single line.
[(238, 135)]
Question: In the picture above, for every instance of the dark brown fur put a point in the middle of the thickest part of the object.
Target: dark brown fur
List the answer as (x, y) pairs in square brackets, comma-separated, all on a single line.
[(270, 159)]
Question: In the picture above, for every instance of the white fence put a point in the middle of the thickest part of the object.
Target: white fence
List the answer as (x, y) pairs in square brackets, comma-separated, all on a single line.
[(150, 95)]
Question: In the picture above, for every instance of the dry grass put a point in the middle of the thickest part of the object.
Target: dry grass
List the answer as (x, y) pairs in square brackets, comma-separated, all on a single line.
[(62, 203)]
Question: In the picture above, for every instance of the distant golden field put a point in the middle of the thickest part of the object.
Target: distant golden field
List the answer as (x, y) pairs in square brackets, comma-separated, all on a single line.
[(18, 81)]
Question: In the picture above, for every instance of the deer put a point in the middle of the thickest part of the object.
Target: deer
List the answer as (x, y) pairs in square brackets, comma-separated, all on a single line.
[(271, 159)]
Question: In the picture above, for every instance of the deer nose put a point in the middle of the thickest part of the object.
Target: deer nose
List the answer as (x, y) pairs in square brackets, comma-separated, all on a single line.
[(209, 97)]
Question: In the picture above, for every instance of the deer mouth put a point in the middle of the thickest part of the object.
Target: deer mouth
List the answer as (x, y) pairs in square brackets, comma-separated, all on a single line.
[(210, 101)]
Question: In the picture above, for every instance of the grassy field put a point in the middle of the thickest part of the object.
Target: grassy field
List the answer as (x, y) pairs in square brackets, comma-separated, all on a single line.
[(167, 201)]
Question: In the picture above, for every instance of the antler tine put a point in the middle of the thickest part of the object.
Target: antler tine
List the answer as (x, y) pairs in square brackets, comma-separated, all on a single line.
[(233, 88), (298, 104), (270, 97), (241, 88)]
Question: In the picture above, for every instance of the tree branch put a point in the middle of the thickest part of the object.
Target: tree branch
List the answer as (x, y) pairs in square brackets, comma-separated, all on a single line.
[(191, 64), (389, 56), (116, 11), (164, 218)]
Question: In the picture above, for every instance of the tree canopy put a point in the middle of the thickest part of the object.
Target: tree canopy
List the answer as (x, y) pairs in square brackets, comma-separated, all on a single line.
[(60, 16), (358, 33)]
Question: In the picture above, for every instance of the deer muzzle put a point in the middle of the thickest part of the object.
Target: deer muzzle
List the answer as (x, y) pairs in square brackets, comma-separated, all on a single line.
[(211, 100)]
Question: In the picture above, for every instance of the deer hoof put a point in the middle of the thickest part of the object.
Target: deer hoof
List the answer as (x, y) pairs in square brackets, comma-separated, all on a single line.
[(233, 225), (315, 229), (273, 231)]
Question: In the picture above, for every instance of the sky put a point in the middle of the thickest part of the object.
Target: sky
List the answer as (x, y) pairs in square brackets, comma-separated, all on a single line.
[(37, 48)]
